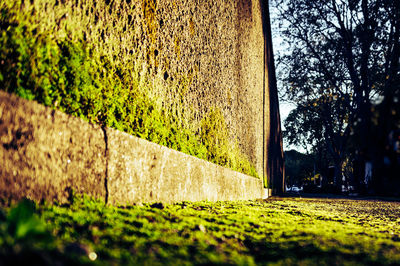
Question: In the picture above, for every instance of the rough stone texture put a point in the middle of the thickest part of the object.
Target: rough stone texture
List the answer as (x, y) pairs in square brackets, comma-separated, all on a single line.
[(141, 171), (217, 49), (45, 154), (221, 45)]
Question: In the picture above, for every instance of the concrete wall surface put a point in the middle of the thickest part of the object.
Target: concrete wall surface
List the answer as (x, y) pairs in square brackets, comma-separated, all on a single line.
[(45, 154), (204, 54), (220, 45)]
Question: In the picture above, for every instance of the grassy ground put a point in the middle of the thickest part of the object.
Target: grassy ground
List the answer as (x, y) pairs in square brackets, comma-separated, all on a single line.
[(275, 231)]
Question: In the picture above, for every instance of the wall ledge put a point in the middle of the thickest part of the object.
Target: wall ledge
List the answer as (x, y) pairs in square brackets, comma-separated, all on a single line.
[(46, 154)]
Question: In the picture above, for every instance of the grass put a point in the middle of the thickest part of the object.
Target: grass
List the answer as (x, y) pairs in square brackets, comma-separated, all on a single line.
[(276, 231)]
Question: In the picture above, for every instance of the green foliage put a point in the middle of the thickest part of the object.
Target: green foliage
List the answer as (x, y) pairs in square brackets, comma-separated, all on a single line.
[(341, 58), (25, 239), (298, 167), (23, 225), (288, 231), (53, 63), (23, 235)]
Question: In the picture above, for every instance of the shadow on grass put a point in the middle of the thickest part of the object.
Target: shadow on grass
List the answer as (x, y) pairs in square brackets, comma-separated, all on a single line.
[(295, 252), (335, 196)]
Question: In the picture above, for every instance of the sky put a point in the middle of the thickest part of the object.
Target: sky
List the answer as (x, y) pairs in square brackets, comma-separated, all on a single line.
[(280, 48)]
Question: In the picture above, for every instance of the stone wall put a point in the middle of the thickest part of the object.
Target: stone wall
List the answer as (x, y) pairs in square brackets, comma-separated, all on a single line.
[(203, 55), (220, 46), (46, 154), (214, 49), (209, 54)]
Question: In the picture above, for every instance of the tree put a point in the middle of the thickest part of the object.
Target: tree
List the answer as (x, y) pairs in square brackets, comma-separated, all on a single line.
[(343, 56), (298, 167)]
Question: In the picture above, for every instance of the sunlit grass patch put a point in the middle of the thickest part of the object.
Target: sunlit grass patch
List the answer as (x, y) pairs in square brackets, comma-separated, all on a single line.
[(276, 231)]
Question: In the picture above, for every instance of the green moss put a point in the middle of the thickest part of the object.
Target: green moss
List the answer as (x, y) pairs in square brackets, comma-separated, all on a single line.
[(277, 231), (214, 135), (77, 61)]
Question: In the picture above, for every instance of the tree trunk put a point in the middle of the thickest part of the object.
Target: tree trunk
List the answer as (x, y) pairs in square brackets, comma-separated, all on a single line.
[(338, 178)]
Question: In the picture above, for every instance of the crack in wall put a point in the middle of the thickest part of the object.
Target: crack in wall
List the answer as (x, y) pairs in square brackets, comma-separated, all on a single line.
[(106, 151)]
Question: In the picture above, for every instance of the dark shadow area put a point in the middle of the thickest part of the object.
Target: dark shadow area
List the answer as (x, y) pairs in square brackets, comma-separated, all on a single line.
[(297, 251), (273, 145), (334, 196)]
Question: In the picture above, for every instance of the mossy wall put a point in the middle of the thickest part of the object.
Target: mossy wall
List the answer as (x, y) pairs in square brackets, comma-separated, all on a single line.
[(184, 74)]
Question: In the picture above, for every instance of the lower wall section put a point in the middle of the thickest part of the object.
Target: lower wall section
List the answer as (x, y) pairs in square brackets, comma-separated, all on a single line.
[(45, 154), (143, 171)]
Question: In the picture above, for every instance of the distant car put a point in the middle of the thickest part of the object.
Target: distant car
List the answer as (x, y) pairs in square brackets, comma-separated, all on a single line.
[(295, 189)]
